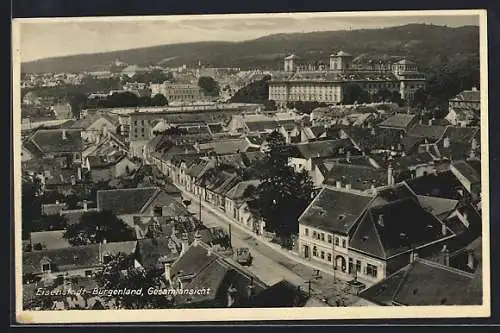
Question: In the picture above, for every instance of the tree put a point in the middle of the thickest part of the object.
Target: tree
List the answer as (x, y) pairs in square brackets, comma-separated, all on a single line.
[(255, 92), (78, 102), (31, 205), (383, 95), (119, 274), (283, 194), (95, 227), (353, 92), (305, 106), (122, 99), (159, 100), (209, 86)]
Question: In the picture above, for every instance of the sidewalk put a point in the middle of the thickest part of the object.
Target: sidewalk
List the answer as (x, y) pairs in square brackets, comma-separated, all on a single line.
[(337, 275)]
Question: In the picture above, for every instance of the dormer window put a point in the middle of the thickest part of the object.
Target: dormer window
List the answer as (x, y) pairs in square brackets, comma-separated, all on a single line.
[(46, 267)]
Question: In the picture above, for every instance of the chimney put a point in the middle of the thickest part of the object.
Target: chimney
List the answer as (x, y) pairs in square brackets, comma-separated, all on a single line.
[(474, 88), (338, 184), (445, 256), (63, 133), (444, 230), (167, 267), (446, 142), (381, 220), (348, 156), (85, 205), (184, 244), (79, 173), (210, 251), (430, 122), (390, 176), (373, 131), (470, 260), (230, 296), (413, 256), (347, 186), (420, 121)]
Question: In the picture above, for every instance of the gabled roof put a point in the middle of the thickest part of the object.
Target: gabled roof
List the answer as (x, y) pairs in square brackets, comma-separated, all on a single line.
[(358, 176), (368, 139), (439, 207), (126, 201), (153, 251), (424, 282), (198, 167), (50, 240), (399, 121), (413, 160), (467, 171), (335, 210), (281, 294), (53, 141), (87, 121), (468, 96), (238, 191), (326, 148), (222, 147), (442, 185), (114, 248), (394, 228), (262, 126), (431, 132)]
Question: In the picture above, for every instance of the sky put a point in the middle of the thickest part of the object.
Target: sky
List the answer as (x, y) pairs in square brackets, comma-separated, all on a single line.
[(45, 38)]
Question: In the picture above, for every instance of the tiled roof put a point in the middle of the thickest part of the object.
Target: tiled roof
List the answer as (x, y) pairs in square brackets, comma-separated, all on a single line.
[(432, 132), (198, 167), (403, 224), (424, 282), (335, 210), (52, 141), (460, 134), (125, 201), (262, 126), (439, 207), (467, 171), (443, 185), (282, 294), (222, 147), (152, 251), (70, 258), (85, 122), (238, 191), (50, 239), (114, 248), (326, 148), (368, 139), (359, 177), (192, 261), (399, 121), (412, 160), (468, 96)]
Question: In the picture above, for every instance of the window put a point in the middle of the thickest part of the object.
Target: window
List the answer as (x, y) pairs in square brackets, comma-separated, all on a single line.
[(358, 266), (323, 237), (351, 266), (88, 273), (343, 243), (330, 239), (336, 241), (306, 231), (371, 270), (315, 251), (322, 254), (329, 257), (314, 234), (46, 267)]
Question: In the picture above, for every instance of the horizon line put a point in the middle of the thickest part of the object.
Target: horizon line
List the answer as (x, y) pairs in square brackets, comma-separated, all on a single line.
[(238, 41)]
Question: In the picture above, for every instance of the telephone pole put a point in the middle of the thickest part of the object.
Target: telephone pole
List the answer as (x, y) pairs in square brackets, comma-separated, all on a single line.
[(200, 206)]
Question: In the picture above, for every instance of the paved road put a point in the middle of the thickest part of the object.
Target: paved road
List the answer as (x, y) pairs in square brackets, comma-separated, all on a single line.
[(270, 265)]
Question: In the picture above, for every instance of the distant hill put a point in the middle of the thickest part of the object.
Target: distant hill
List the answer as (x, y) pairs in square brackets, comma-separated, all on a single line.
[(430, 46)]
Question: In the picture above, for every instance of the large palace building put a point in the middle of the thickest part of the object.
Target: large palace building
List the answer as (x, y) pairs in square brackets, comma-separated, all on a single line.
[(322, 83)]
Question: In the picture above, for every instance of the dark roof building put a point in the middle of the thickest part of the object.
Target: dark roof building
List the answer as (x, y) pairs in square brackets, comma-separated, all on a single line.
[(394, 228), (335, 210), (53, 141), (399, 121), (425, 282)]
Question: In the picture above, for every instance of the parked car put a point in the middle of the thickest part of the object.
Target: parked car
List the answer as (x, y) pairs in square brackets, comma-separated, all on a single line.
[(243, 256)]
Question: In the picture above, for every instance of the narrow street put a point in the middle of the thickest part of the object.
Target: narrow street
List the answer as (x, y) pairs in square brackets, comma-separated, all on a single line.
[(270, 265)]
